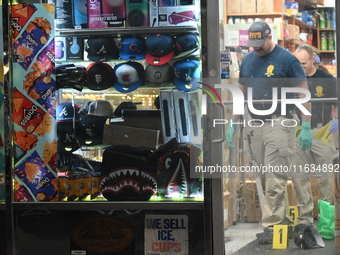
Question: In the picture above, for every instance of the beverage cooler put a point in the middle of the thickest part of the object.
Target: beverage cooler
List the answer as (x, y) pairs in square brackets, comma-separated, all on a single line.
[(108, 128)]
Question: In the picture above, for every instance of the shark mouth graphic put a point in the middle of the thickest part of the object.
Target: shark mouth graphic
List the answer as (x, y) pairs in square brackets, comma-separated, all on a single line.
[(178, 181), (128, 184)]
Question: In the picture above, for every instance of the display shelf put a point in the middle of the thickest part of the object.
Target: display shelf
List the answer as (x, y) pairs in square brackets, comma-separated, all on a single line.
[(87, 32), (107, 205), (2, 206)]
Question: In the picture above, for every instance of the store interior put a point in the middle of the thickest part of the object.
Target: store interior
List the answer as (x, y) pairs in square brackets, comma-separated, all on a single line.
[(303, 24)]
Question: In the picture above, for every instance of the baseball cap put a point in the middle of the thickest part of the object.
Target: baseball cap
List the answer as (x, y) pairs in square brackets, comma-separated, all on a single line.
[(160, 49), (124, 105), (257, 34), (101, 49), (158, 74), (186, 74), (66, 136), (132, 48), (101, 108), (129, 76), (99, 76), (66, 111), (91, 129), (185, 45)]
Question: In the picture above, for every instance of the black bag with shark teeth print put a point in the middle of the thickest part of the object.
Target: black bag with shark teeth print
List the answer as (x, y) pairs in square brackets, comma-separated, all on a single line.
[(176, 176), (126, 174)]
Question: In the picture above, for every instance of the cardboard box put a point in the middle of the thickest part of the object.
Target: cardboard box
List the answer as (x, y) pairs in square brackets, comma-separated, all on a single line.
[(147, 119), (137, 13), (293, 32), (60, 48), (228, 210), (74, 48), (233, 6), (291, 193), (265, 6), (184, 15), (251, 201), (63, 17), (292, 8), (153, 13), (248, 6), (102, 15), (115, 134)]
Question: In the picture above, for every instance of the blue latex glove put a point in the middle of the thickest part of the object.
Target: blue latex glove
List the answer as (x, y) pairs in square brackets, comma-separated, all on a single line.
[(334, 127), (230, 135), (306, 136)]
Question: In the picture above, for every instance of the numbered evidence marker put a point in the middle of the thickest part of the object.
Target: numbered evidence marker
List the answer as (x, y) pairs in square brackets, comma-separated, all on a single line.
[(280, 237), (294, 214)]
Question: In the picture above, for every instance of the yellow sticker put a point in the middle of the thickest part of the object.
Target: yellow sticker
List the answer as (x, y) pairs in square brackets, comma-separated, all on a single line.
[(280, 237), (294, 214)]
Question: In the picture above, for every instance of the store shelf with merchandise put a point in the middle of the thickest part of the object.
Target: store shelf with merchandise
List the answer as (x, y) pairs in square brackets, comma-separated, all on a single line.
[(117, 31), (144, 96), (316, 31)]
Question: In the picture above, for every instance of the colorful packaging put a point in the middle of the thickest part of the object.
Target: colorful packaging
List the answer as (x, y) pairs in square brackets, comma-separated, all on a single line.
[(37, 178)]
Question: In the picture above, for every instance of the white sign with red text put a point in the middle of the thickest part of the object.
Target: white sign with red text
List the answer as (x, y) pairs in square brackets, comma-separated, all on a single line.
[(166, 235)]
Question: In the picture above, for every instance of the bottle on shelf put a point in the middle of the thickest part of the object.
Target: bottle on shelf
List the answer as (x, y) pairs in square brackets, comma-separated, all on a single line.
[(323, 41), (330, 40), (322, 19)]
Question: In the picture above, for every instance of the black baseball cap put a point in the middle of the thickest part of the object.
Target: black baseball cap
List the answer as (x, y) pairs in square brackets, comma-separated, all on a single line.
[(99, 76), (257, 34), (101, 49)]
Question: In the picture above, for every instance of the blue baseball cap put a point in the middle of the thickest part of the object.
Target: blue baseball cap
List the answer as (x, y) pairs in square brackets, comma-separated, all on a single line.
[(160, 49), (187, 74), (129, 76), (132, 48)]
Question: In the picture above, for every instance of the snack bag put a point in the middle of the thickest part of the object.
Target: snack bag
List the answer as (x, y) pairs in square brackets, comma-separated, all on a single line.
[(37, 178), (41, 88), (26, 114), (31, 41)]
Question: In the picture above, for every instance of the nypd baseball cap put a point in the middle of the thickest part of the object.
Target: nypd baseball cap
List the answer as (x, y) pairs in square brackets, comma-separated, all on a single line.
[(257, 34), (185, 45), (132, 48), (156, 75), (160, 49), (99, 76), (129, 76), (101, 49), (187, 74)]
